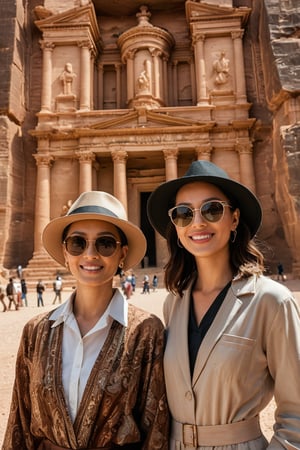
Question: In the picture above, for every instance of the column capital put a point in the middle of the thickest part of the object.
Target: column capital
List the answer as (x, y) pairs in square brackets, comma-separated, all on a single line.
[(237, 34), (243, 147), (130, 54), (198, 37), (170, 153), (155, 51), (119, 155), (203, 151), (85, 156), (85, 44), (46, 45), (43, 160)]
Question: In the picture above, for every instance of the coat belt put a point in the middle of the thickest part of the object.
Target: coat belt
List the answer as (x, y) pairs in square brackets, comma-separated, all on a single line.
[(216, 435)]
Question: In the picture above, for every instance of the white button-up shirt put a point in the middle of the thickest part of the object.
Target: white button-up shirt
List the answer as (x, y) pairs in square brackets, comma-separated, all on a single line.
[(79, 353)]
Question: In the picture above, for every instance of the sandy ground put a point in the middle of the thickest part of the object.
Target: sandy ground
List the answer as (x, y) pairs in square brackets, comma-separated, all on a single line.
[(11, 324)]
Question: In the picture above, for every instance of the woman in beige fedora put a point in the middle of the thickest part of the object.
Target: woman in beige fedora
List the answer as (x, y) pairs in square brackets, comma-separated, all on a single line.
[(233, 334), (89, 374)]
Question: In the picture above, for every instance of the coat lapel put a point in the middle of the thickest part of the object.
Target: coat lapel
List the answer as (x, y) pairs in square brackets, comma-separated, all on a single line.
[(231, 305), (181, 346)]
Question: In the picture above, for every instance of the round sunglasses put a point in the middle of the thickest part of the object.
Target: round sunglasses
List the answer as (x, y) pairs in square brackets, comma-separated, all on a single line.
[(105, 245), (211, 211)]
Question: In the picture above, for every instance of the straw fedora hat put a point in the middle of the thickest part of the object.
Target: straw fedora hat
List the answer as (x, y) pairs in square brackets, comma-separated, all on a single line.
[(163, 198), (95, 205)]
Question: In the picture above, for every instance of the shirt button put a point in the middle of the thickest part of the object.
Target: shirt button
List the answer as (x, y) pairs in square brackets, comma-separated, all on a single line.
[(188, 395)]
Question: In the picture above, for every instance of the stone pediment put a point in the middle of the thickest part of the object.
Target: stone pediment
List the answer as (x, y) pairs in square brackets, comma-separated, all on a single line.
[(198, 12), (148, 119), (77, 17)]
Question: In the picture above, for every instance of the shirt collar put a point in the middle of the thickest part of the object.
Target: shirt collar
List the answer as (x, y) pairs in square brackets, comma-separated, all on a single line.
[(117, 309)]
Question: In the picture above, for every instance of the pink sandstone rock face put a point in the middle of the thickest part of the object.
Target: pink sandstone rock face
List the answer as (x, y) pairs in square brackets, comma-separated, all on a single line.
[(150, 90)]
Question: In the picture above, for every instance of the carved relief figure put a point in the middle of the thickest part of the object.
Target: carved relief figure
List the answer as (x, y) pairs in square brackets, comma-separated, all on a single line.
[(221, 68), (67, 78), (144, 79)]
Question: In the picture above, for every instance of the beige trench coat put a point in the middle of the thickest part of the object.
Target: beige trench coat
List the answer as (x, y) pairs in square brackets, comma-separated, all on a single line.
[(250, 353)]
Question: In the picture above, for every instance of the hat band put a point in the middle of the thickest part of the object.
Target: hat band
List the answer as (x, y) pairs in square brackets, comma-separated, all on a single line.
[(92, 209)]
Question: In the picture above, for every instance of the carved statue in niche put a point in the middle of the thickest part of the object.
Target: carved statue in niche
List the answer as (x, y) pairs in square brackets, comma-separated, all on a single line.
[(67, 78), (221, 68), (143, 80)]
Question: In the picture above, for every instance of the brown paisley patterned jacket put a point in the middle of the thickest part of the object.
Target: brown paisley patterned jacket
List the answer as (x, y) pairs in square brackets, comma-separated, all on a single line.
[(124, 403)]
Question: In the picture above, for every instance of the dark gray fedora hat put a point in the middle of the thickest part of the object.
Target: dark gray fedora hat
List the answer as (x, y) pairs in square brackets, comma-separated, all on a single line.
[(163, 198), (96, 205)]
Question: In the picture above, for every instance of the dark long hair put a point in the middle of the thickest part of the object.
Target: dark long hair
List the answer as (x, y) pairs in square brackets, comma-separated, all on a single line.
[(245, 258)]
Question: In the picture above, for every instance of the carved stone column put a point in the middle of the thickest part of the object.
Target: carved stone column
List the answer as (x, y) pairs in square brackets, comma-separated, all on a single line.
[(171, 156), (130, 75), (47, 48), (156, 54), (239, 66), (118, 84), (203, 151), (100, 86), (193, 81), (42, 199), (120, 180), (165, 81), (175, 83), (85, 76), (246, 164), (86, 160), (198, 42)]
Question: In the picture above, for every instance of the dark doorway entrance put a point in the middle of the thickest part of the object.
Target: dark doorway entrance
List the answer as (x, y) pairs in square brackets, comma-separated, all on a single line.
[(148, 231)]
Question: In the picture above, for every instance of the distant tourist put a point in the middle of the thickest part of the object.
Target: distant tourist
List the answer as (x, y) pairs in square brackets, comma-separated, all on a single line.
[(40, 290), (24, 292), (57, 287), (146, 285), (154, 283), (11, 294), (2, 296), (280, 273)]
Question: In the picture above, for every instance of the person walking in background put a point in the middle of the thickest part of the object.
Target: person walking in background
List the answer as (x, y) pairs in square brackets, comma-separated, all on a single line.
[(11, 294), (18, 291), (40, 288), (128, 286), (19, 271), (24, 292), (233, 334), (146, 285), (280, 272), (2, 297), (57, 287), (154, 283), (89, 375), (133, 281)]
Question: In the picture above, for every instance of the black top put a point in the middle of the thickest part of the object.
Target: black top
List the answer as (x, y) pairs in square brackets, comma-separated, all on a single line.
[(197, 333)]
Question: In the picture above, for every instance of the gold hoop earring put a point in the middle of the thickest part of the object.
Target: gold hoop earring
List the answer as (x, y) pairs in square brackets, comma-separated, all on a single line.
[(233, 235), (121, 264)]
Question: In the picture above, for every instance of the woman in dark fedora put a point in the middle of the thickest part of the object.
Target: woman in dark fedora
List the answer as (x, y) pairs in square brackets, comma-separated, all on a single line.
[(233, 335), (89, 374)]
